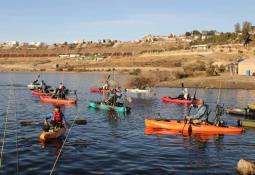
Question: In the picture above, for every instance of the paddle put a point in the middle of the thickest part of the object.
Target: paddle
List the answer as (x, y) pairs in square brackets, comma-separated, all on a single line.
[(31, 122)]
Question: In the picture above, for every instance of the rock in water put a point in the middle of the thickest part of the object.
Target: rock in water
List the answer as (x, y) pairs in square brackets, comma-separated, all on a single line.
[(245, 167)]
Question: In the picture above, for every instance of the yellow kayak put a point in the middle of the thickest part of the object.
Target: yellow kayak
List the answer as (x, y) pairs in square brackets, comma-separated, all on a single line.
[(52, 134)]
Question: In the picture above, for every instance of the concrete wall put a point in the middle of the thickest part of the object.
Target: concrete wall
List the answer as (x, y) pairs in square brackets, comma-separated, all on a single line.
[(246, 65)]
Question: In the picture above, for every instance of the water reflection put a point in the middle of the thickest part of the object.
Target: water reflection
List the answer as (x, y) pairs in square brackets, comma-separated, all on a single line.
[(55, 143), (192, 138)]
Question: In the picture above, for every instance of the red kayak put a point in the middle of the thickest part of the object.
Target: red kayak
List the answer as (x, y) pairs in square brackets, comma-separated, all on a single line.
[(39, 93), (175, 100), (48, 99), (96, 90)]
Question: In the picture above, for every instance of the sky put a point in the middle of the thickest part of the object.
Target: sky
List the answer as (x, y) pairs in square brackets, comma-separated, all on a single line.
[(70, 20)]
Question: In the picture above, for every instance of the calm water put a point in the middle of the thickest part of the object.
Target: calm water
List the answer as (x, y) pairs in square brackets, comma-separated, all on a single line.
[(110, 143)]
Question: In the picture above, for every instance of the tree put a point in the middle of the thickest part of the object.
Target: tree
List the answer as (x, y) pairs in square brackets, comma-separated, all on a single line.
[(196, 32), (187, 34), (237, 28), (246, 27)]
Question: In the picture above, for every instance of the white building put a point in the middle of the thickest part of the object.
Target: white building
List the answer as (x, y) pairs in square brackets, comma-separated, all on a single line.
[(11, 43)]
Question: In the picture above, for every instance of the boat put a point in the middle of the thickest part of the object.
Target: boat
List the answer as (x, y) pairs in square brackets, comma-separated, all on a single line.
[(39, 93), (33, 86), (240, 112), (138, 90), (100, 105), (178, 101), (97, 90), (181, 126), (246, 123), (48, 99), (52, 134)]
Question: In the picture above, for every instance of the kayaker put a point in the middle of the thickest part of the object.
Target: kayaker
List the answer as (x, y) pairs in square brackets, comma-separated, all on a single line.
[(44, 86), (201, 114), (61, 89), (57, 118), (114, 97), (106, 86), (184, 94)]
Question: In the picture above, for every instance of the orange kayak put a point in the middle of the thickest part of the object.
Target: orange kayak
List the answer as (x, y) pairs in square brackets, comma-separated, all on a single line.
[(194, 128), (201, 137), (48, 99)]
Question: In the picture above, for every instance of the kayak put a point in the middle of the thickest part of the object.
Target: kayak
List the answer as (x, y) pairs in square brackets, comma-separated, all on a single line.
[(248, 123), (239, 112), (96, 90), (194, 128), (33, 86), (48, 99), (99, 105), (201, 137), (138, 90), (178, 101), (52, 134), (38, 93)]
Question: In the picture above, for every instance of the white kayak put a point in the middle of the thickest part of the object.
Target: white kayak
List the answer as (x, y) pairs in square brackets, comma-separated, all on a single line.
[(33, 86), (138, 90)]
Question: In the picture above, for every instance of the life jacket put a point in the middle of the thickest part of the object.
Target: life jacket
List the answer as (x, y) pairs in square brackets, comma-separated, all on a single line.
[(57, 116)]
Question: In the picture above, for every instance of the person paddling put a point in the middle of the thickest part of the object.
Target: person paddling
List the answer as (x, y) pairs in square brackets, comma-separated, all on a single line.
[(44, 87), (115, 98), (106, 86), (57, 118), (201, 115)]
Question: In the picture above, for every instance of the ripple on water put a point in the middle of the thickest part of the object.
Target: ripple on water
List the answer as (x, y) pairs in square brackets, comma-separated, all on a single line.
[(114, 143)]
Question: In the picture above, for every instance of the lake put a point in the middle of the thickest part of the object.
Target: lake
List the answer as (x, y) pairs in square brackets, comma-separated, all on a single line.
[(113, 143)]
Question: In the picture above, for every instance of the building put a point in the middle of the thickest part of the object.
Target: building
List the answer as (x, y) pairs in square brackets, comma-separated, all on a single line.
[(200, 47), (246, 67), (11, 43)]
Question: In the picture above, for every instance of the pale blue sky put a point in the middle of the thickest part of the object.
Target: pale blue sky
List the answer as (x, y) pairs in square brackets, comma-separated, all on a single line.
[(69, 20)]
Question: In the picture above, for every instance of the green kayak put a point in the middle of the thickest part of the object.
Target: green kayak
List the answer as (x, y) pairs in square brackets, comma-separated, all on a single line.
[(100, 105), (247, 123), (240, 112)]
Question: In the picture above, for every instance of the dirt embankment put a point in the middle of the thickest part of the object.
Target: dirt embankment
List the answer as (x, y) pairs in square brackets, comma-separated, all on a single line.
[(169, 68)]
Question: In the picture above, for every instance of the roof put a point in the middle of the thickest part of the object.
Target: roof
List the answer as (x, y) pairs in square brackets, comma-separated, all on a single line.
[(248, 61)]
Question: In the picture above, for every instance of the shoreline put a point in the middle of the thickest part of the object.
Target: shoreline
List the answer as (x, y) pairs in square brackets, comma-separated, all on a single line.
[(211, 82)]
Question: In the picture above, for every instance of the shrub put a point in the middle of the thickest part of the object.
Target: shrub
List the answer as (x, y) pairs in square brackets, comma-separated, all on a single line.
[(59, 69), (135, 72), (222, 68), (140, 82), (199, 66), (240, 51), (211, 71), (70, 69)]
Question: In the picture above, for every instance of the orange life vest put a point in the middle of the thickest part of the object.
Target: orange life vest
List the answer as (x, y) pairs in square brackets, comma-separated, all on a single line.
[(57, 116)]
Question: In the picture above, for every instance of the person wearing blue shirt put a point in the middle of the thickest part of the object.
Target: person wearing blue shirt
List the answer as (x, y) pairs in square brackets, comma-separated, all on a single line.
[(201, 114), (57, 118)]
